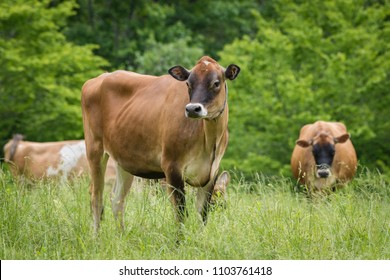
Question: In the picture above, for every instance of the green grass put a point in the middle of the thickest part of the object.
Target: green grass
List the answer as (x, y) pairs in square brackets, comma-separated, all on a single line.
[(262, 220)]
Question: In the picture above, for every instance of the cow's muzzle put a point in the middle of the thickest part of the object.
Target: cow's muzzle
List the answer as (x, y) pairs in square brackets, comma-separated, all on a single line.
[(323, 171), (196, 111)]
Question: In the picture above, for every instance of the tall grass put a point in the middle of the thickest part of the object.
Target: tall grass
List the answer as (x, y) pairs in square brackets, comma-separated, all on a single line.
[(264, 219)]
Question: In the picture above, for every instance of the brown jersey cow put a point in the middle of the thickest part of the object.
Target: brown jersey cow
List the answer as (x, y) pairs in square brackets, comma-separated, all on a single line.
[(323, 156), (173, 127)]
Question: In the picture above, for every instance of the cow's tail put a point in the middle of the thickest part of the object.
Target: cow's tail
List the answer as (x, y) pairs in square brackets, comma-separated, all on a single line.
[(14, 145)]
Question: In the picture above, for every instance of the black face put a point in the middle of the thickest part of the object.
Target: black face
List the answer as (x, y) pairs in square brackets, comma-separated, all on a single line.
[(323, 154)]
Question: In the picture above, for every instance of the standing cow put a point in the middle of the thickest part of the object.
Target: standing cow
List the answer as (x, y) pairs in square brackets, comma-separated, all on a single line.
[(173, 127), (324, 156), (38, 160)]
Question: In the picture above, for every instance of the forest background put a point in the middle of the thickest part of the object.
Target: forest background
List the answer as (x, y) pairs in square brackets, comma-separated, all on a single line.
[(301, 61)]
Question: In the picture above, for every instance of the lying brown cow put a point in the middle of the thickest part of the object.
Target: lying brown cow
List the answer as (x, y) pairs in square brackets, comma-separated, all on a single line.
[(323, 156), (173, 127), (34, 160)]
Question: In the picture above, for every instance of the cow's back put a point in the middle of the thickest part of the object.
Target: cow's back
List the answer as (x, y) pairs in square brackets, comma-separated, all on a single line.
[(105, 97)]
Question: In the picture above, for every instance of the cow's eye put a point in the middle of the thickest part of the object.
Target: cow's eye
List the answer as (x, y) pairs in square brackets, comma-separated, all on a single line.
[(217, 84)]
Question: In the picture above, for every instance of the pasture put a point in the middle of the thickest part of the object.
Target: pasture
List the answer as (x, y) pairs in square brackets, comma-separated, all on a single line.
[(264, 219)]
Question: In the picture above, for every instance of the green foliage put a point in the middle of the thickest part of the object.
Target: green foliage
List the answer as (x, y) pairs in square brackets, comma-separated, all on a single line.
[(159, 57), (263, 219), (131, 33), (215, 23), (41, 74), (313, 60), (123, 29)]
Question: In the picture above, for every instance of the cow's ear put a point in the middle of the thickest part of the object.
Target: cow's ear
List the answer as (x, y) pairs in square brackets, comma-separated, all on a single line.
[(303, 143), (342, 139), (179, 73), (232, 71), (223, 180)]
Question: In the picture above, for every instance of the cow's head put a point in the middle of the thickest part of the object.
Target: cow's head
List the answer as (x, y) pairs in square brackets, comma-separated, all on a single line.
[(207, 87), (323, 149)]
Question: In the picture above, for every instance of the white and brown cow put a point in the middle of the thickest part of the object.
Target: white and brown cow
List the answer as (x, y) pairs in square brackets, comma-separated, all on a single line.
[(38, 160), (173, 127), (323, 156)]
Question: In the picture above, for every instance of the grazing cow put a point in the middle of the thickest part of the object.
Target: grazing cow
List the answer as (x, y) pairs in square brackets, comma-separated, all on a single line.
[(323, 156), (34, 160), (172, 126)]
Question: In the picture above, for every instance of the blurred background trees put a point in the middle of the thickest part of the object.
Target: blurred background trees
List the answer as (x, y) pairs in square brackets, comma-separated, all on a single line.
[(315, 60), (301, 61), (41, 71)]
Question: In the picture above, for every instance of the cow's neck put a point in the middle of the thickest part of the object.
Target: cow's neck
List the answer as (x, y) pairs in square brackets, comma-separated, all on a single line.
[(215, 129)]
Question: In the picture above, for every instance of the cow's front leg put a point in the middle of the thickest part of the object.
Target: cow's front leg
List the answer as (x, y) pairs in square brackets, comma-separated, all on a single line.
[(203, 199), (176, 193)]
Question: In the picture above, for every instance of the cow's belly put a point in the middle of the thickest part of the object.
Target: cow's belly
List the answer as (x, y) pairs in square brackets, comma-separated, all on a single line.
[(142, 166), (196, 172), (140, 156)]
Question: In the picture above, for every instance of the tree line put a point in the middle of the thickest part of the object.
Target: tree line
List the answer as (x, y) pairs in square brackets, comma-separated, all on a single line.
[(301, 61)]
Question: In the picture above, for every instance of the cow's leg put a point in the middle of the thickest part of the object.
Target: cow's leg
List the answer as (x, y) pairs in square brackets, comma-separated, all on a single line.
[(97, 164), (121, 189), (176, 193), (203, 199)]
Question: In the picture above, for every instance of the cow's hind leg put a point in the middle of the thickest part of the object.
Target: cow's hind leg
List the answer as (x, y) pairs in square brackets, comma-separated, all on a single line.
[(98, 167), (121, 189)]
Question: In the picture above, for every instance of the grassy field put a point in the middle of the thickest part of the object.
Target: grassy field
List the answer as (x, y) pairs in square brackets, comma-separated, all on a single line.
[(264, 219)]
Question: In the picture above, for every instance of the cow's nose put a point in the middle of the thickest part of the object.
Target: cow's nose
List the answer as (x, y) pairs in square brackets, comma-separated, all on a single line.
[(195, 110), (323, 173)]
